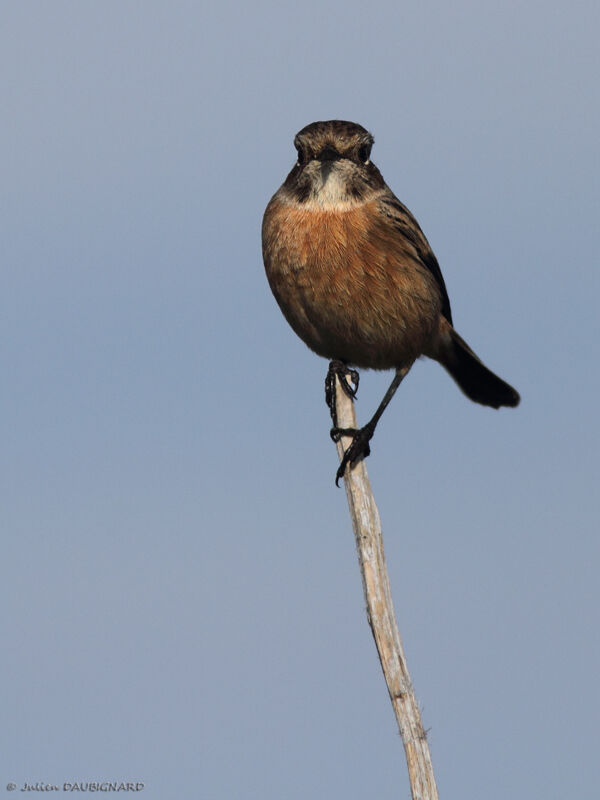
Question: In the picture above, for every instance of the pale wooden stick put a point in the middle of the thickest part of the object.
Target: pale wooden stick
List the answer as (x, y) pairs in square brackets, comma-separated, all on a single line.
[(380, 612)]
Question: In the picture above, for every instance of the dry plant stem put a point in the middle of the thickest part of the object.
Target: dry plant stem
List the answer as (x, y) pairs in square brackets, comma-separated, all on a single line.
[(380, 612)]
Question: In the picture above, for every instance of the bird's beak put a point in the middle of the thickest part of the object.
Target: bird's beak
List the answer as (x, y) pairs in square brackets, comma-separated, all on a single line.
[(328, 153), (326, 158)]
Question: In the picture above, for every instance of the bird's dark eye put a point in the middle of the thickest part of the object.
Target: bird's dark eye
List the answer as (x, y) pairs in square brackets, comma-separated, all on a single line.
[(301, 157), (364, 153)]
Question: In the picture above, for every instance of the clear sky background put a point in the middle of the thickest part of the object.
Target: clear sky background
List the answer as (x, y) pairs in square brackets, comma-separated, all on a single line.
[(181, 600)]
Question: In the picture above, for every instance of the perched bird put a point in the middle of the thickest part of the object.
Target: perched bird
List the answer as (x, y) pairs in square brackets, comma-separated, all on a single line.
[(356, 278)]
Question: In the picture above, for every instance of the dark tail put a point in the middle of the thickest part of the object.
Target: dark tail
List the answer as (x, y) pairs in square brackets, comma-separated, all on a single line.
[(474, 378)]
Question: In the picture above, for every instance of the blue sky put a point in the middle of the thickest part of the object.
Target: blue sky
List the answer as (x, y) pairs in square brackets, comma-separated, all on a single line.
[(182, 603)]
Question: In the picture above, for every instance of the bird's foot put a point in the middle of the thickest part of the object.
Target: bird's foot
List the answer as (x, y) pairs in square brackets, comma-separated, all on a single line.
[(337, 369), (358, 449)]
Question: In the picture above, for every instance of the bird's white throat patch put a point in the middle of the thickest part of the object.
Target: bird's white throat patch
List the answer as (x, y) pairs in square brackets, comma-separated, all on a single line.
[(332, 191)]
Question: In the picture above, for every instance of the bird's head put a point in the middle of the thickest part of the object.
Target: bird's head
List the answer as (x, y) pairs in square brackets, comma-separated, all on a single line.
[(334, 166)]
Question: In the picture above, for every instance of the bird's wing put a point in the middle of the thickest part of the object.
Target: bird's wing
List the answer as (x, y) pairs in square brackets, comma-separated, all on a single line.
[(404, 222)]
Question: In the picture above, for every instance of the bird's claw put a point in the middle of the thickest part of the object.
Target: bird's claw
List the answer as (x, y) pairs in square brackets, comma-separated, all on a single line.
[(337, 433), (350, 388), (337, 369), (358, 449)]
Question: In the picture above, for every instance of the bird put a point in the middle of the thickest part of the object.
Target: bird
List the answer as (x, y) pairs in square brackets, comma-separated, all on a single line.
[(357, 280)]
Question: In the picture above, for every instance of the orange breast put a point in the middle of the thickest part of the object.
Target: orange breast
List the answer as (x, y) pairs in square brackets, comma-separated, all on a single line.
[(349, 284)]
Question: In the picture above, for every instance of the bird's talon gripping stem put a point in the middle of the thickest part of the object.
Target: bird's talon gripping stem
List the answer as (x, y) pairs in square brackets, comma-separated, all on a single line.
[(337, 369), (337, 433), (351, 390), (359, 446), (358, 449)]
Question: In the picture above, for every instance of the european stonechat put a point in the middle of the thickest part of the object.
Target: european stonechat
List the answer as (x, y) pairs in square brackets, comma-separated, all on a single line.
[(356, 278)]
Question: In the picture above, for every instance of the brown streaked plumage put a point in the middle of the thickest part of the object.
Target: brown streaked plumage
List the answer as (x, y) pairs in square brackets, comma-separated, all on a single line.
[(355, 276)]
